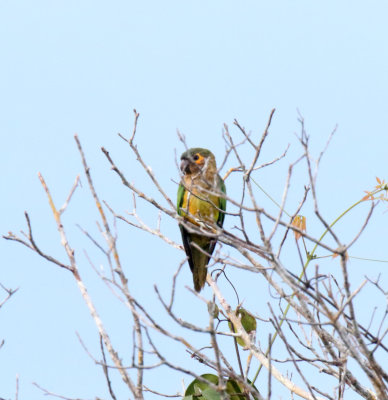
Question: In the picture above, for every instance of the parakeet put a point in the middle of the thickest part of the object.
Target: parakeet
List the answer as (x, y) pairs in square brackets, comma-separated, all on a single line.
[(202, 202)]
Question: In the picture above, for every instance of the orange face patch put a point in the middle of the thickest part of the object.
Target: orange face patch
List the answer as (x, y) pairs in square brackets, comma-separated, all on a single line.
[(198, 159)]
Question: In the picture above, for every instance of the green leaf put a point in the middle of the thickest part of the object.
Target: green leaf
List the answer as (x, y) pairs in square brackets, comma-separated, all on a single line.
[(210, 394), (236, 390), (198, 390), (248, 321), (233, 388), (197, 387)]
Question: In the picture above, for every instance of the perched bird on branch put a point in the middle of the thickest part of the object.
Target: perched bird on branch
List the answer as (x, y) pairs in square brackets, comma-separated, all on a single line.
[(201, 202)]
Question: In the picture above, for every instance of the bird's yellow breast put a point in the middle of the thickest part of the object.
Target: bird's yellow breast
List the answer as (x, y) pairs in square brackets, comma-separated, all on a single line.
[(198, 207)]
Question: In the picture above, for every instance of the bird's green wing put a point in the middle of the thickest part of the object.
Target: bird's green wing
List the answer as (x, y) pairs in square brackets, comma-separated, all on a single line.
[(222, 202), (181, 193)]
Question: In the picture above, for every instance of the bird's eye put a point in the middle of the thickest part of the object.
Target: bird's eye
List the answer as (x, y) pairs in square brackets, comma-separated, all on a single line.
[(196, 157)]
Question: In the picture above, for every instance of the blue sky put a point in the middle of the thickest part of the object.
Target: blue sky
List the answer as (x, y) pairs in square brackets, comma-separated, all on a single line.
[(82, 66)]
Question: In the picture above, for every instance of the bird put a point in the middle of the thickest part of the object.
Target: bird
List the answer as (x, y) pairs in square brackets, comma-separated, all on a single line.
[(202, 202)]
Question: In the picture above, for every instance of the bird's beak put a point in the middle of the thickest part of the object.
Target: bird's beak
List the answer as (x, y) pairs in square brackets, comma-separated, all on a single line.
[(185, 165)]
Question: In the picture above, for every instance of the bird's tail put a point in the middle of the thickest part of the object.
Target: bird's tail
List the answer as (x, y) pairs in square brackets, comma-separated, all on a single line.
[(199, 277), (201, 248)]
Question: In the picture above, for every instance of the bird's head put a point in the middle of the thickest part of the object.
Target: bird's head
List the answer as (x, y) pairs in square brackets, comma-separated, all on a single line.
[(197, 160)]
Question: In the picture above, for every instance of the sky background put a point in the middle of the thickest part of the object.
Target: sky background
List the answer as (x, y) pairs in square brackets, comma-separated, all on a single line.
[(82, 66)]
